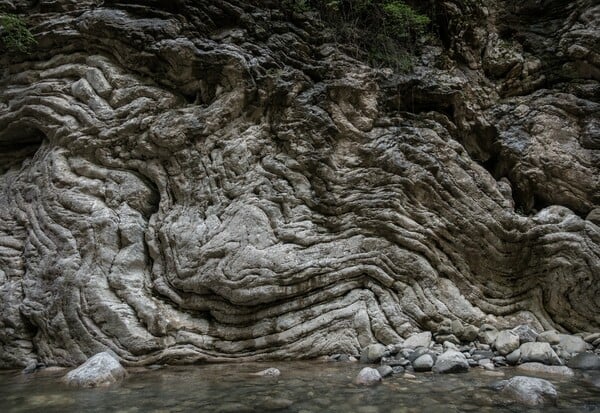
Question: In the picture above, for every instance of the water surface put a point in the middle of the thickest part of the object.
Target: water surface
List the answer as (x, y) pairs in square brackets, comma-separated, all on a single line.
[(303, 387)]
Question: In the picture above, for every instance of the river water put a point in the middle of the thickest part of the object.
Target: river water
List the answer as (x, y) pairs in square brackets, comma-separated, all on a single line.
[(302, 387)]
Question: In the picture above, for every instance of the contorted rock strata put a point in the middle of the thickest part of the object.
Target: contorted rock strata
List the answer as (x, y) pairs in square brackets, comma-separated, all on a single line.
[(188, 181)]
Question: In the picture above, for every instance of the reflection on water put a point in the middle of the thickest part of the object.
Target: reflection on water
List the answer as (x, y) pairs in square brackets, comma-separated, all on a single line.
[(302, 387)]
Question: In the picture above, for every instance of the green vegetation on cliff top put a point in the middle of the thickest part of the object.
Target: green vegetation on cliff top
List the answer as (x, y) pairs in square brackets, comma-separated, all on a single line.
[(384, 30)]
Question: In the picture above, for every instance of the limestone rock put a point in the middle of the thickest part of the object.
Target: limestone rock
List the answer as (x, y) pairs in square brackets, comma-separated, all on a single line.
[(385, 371), (514, 357), (551, 337), (487, 334), (526, 333), (539, 368), (368, 377), (100, 370), (530, 391), (469, 333), (423, 363), (585, 361), (538, 352), (419, 340), (451, 361), (506, 342), (270, 372), (572, 344), (196, 181), (373, 353)]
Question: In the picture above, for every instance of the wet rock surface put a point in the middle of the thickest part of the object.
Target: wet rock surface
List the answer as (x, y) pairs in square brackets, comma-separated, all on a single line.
[(100, 370), (585, 361), (530, 391), (219, 181), (368, 377), (302, 386)]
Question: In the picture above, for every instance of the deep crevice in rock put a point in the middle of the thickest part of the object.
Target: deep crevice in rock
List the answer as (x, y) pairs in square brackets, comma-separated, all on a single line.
[(18, 144)]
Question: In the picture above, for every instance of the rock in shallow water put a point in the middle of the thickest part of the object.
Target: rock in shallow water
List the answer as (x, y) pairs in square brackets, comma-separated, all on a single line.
[(585, 361), (368, 377), (270, 372), (385, 371), (539, 368), (530, 391), (98, 371)]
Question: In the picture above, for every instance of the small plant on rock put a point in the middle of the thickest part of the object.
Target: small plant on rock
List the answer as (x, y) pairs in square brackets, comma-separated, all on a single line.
[(14, 34)]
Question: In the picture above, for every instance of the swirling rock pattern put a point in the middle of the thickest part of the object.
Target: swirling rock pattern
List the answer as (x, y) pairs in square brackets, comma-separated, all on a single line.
[(207, 181)]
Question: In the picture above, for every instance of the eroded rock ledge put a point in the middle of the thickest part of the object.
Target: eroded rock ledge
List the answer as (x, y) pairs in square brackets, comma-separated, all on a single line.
[(185, 181)]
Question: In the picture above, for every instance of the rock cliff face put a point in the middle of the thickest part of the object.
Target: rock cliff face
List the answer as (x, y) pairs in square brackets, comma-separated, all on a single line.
[(184, 181)]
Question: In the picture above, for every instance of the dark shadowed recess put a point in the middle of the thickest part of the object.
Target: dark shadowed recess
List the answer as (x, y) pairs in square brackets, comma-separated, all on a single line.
[(18, 144)]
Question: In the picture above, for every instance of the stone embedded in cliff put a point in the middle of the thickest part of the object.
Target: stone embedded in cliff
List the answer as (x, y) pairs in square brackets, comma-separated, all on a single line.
[(419, 340), (100, 370), (221, 181)]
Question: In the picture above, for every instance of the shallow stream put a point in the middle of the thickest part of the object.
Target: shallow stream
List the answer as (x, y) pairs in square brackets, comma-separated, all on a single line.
[(302, 387)]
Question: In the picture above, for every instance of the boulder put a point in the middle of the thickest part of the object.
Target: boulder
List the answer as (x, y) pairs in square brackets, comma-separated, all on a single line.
[(440, 339), (385, 371), (418, 352), (419, 340), (487, 334), (423, 363), (100, 370), (373, 353), (457, 328), (530, 391), (572, 344), (506, 342), (514, 357), (368, 377), (551, 337), (469, 333), (538, 352), (591, 338), (585, 361), (526, 334), (451, 361), (539, 368), (270, 372)]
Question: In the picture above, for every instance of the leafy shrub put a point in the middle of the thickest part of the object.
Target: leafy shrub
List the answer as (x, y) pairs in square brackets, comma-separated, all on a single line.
[(384, 31), (14, 34)]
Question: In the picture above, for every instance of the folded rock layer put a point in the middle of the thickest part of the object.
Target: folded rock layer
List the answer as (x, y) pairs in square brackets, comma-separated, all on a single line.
[(194, 181)]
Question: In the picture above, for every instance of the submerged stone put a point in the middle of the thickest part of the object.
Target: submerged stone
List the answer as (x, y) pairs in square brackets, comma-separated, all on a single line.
[(530, 391)]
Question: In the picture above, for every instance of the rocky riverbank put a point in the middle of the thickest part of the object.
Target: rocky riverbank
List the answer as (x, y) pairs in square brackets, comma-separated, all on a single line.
[(546, 352)]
